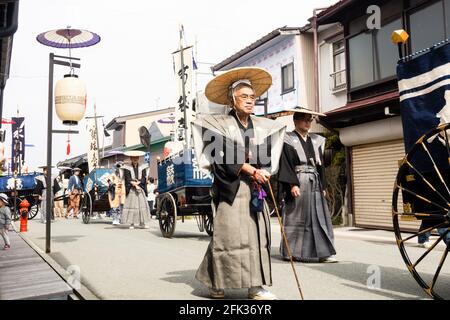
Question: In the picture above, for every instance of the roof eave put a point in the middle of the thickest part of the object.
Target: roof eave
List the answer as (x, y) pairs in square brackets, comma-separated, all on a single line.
[(270, 36)]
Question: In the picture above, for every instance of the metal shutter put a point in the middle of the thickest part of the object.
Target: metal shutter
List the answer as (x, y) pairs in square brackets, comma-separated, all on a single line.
[(375, 168)]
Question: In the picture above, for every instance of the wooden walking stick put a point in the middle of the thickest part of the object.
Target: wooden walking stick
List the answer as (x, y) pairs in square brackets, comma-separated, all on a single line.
[(285, 240)]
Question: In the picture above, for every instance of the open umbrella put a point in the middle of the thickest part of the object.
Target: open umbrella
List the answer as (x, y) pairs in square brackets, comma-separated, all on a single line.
[(113, 153), (167, 120), (68, 38)]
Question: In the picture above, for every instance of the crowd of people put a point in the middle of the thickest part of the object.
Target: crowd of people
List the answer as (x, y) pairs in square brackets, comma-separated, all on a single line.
[(131, 193), (239, 254)]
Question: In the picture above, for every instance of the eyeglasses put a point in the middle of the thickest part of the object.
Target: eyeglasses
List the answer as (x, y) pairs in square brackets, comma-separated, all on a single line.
[(246, 96), (307, 120)]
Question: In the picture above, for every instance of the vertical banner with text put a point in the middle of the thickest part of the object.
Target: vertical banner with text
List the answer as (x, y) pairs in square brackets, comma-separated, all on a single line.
[(180, 122), (18, 143), (92, 153)]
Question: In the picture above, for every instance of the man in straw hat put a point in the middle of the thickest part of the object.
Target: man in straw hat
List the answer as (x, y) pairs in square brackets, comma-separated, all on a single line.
[(242, 156), (306, 217), (75, 190), (135, 210)]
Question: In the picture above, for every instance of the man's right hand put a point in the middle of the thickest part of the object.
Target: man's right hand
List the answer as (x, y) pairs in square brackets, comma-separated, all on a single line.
[(295, 191)]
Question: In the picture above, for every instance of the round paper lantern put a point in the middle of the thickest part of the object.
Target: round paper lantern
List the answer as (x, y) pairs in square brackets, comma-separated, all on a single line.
[(172, 147), (70, 99)]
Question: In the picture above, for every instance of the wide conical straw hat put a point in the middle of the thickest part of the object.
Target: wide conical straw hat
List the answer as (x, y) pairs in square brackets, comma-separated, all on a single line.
[(217, 89)]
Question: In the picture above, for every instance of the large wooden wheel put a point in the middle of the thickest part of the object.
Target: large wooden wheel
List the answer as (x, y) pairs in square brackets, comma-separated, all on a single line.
[(86, 207), (167, 215), (422, 195), (208, 223)]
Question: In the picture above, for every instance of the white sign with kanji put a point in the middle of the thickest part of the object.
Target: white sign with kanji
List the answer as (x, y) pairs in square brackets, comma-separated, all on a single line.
[(92, 154)]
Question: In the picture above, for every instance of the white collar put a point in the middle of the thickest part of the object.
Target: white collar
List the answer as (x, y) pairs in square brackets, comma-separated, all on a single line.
[(304, 137)]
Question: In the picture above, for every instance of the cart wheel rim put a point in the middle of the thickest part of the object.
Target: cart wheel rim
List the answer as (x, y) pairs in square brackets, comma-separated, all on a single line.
[(86, 207), (167, 215), (424, 194)]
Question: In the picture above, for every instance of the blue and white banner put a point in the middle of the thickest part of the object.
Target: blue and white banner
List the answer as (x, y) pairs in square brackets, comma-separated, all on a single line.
[(424, 85), (18, 143)]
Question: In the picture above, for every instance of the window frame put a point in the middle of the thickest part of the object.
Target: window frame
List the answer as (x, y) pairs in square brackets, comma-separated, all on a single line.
[(407, 20), (348, 57), (285, 90), (343, 86)]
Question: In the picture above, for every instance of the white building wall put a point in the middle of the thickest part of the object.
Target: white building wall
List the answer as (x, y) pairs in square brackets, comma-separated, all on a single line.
[(328, 100), (306, 71), (272, 59)]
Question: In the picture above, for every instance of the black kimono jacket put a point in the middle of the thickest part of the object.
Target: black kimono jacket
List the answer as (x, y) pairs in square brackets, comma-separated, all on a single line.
[(128, 177), (227, 177), (287, 176)]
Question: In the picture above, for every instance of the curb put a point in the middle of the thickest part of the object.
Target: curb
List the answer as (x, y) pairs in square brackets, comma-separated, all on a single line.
[(83, 293)]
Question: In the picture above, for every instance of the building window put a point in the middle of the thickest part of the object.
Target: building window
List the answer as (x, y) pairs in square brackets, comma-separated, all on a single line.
[(373, 57), (338, 77), (429, 25), (287, 78)]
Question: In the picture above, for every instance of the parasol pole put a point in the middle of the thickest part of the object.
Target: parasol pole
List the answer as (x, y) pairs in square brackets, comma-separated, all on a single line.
[(283, 233)]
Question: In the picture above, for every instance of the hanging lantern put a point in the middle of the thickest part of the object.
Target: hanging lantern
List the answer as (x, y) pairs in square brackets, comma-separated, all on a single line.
[(70, 99)]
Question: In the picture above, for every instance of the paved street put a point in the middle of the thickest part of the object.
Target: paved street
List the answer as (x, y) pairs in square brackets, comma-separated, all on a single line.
[(118, 263)]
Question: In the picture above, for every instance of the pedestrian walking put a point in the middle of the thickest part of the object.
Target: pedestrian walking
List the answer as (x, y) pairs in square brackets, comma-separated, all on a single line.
[(5, 220), (58, 196), (306, 217), (136, 211), (238, 255), (115, 194), (75, 190)]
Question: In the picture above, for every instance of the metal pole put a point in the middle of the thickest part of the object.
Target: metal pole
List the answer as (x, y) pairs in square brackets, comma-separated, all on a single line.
[(183, 75), (316, 60), (316, 64), (48, 178), (2, 89), (266, 102)]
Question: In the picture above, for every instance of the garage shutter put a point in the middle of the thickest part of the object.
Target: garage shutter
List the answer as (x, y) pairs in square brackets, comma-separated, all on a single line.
[(375, 168)]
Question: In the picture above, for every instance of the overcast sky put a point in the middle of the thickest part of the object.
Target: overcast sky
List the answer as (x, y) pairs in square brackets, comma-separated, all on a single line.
[(130, 70)]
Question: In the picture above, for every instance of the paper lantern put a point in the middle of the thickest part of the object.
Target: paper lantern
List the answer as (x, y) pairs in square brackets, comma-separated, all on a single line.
[(172, 147), (70, 99)]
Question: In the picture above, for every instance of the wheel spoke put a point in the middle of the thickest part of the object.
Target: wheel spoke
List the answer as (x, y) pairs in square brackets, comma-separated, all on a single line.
[(423, 214), (425, 231), (438, 271), (438, 172), (420, 197), (447, 144), (427, 252), (428, 183)]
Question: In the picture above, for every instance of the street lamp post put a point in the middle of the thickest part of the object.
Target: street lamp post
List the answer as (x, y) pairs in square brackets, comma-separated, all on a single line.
[(50, 131)]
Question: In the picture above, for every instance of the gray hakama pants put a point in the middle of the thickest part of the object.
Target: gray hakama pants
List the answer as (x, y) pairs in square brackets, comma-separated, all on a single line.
[(307, 221), (238, 255), (136, 210)]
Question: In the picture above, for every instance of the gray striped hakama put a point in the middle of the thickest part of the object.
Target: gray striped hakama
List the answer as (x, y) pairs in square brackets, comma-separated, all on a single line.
[(307, 221), (238, 255), (136, 210)]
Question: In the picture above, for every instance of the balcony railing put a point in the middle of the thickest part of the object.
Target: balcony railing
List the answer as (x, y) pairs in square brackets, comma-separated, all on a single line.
[(338, 81)]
